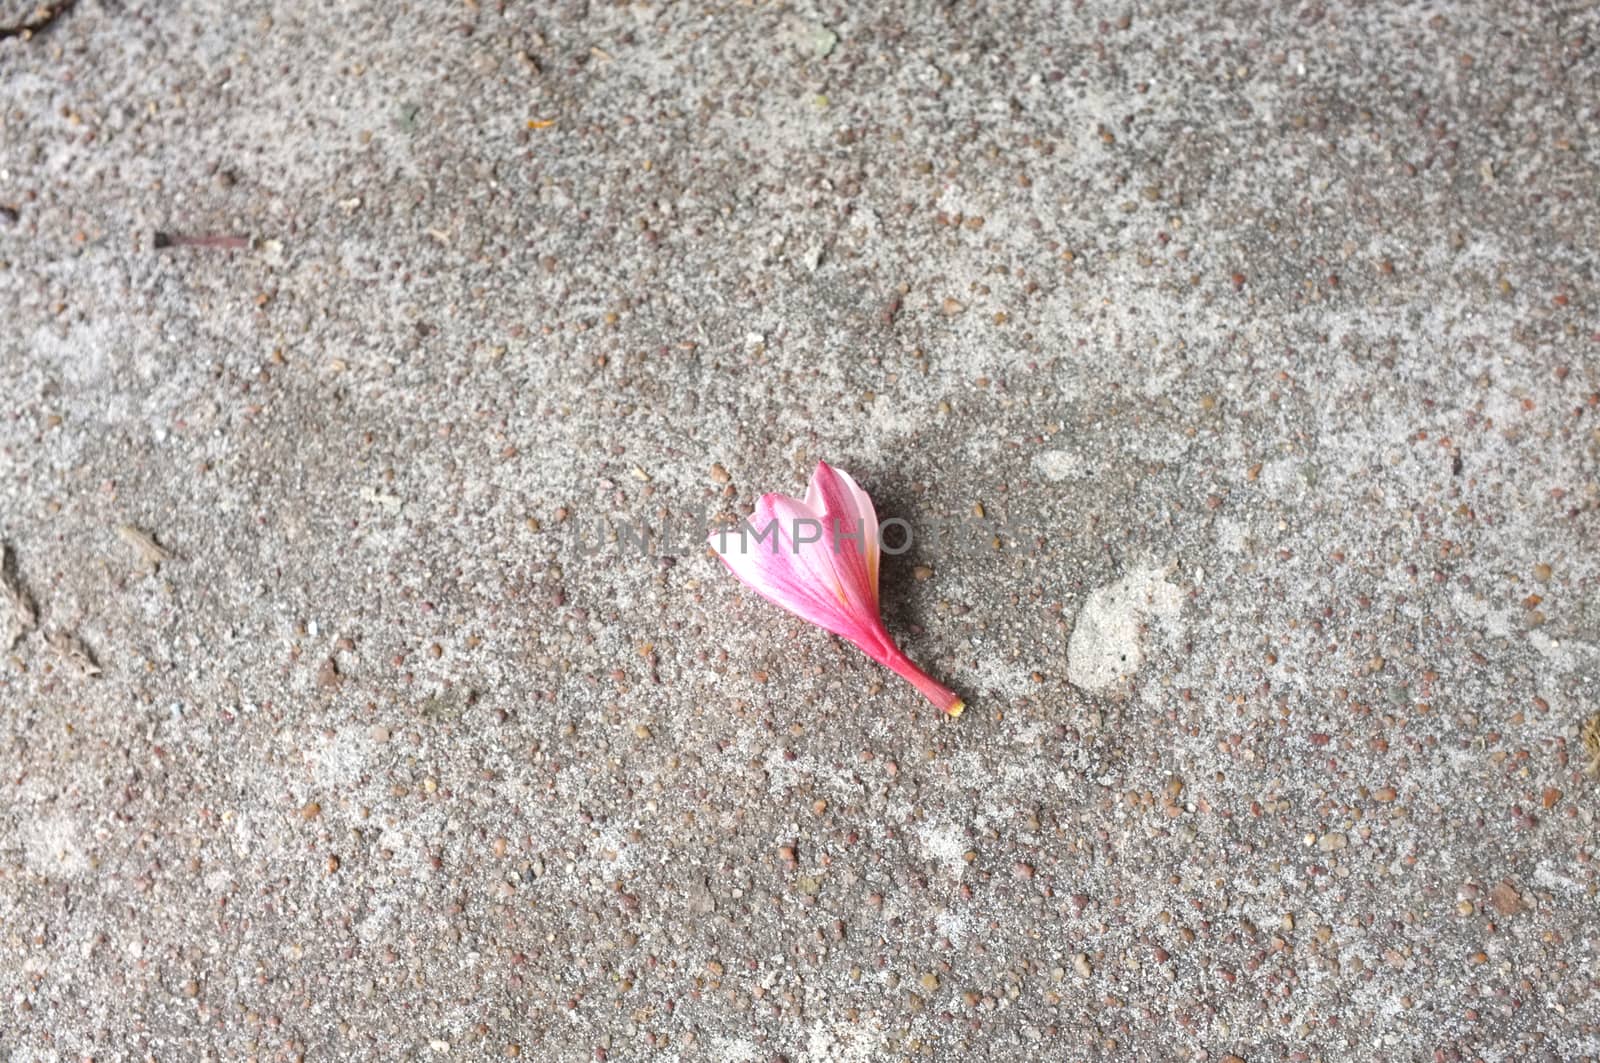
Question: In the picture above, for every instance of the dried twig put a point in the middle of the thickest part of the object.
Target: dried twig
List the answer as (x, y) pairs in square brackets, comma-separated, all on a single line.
[(151, 553), (44, 16), (162, 240), (74, 653)]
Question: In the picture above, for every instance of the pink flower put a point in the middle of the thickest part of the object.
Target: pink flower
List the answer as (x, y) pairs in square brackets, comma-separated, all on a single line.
[(819, 560)]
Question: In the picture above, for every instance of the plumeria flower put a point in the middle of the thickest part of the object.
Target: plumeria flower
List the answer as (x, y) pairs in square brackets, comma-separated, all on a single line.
[(818, 558)]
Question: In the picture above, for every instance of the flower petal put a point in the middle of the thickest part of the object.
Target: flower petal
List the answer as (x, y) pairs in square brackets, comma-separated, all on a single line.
[(869, 526), (799, 578), (846, 535), (818, 558)]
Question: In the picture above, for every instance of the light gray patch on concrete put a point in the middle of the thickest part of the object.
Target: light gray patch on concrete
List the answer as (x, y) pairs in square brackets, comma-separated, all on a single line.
[(1108, 637)]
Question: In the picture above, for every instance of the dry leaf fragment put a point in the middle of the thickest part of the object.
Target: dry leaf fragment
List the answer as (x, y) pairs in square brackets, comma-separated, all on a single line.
[(151, 553), (1590, 737), (74, 653), (11, 592)]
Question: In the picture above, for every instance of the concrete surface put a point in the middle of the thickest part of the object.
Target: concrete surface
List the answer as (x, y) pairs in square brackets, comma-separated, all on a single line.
[(1269, 331)]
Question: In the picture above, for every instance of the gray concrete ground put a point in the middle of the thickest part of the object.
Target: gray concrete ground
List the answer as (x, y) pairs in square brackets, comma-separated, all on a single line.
[(1269, 331)]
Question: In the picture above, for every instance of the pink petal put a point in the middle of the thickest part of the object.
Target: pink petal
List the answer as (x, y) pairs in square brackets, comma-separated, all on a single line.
[(865, 514), (843, 545), (771, 569), (830, 581)]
